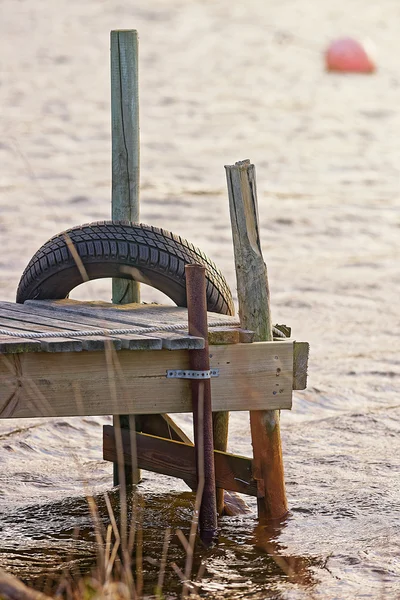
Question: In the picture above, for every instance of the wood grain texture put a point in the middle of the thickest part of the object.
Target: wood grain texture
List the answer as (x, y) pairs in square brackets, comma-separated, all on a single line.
[(252, 376), (255, 314), (125, 142), (130, 314), (45, 316), (232, 472), (251, 271), (300, 365)]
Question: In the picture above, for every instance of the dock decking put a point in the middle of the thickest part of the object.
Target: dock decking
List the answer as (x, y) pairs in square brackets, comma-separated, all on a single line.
[(98, 374)]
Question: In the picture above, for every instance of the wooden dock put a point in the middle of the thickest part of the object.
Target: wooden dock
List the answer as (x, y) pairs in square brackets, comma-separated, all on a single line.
[(123, 370)]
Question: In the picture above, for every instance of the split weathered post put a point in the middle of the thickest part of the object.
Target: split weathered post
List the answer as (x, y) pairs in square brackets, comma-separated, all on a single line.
[(125, 169), (201, 399), (254, 314)]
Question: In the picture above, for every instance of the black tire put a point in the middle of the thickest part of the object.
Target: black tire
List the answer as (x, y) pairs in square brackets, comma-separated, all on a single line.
[(120, 249)]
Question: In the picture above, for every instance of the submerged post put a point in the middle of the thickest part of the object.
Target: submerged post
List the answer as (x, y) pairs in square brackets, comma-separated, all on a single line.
[(254, 314), (201, 398), (125, 170)]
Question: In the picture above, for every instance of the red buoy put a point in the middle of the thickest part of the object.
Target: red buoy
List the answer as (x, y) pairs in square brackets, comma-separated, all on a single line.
[(348, 55)]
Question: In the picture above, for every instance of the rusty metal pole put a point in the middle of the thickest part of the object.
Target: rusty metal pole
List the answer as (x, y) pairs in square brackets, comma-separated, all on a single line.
[(201, 399)]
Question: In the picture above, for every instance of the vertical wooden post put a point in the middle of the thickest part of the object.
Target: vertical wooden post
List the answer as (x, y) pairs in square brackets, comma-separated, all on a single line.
[(125, 143), (254, 313), (201, 395), (125, 167)]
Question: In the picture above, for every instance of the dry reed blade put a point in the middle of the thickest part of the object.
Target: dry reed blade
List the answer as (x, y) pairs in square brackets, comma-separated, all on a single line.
[(199, 495), (163, 563), (182, 538), (107, 548), (78, 261), (139, 553), (119, 446), (112, 517)]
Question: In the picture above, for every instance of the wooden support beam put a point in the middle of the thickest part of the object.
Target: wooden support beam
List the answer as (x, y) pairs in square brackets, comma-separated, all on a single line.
[(169, 457), (251, 377), (254, 313)]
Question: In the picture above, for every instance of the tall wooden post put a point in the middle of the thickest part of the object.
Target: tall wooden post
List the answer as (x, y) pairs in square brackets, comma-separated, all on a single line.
[(125, 143), (125, 167), (254, 314)]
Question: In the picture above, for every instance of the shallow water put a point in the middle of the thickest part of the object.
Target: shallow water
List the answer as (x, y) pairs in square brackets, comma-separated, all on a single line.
[(221, 82)]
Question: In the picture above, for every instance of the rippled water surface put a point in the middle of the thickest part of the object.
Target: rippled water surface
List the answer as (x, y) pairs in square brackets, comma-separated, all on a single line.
[(222, 81)]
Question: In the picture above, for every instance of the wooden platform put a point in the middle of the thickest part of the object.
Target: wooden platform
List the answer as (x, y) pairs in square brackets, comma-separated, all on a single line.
[(99, 374)]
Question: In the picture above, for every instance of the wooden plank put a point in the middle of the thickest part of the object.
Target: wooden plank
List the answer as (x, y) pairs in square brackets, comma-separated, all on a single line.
[(49, 344), (252, 376), (165, 427), (11, 345), (125, 142), (117, 319), (70, 321), (223, 335), (255, 314), (300, 365), (169, 457), (133, 314), (90, 343)]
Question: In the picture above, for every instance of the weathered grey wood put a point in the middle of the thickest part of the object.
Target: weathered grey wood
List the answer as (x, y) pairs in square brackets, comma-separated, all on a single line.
[(181, 341), (10, 345), (300, 365), (254, 313), (96, 342), (91, 343), (251, 271), (131, 341), (125, 142), (71, 320), (132, 314)]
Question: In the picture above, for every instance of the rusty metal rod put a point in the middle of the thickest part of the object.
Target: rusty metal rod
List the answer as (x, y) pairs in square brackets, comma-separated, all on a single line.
[(201, 400)]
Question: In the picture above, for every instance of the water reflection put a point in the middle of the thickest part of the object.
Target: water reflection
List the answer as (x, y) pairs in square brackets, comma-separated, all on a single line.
[(40, 544)]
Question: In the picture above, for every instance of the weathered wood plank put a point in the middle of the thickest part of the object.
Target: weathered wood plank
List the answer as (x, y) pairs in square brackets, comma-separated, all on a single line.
[(24, 320), (300, 365), (11, 345), (252, 376), (91, 343), (112, 320), (133, 314), (232, 472), (41, 313)]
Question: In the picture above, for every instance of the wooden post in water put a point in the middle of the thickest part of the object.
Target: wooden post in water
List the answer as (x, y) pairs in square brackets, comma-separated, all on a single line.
[(125, 169), (254, 314)]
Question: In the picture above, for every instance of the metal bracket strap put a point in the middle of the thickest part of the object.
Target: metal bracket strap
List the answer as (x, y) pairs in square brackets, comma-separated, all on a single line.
[(178, 374)]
